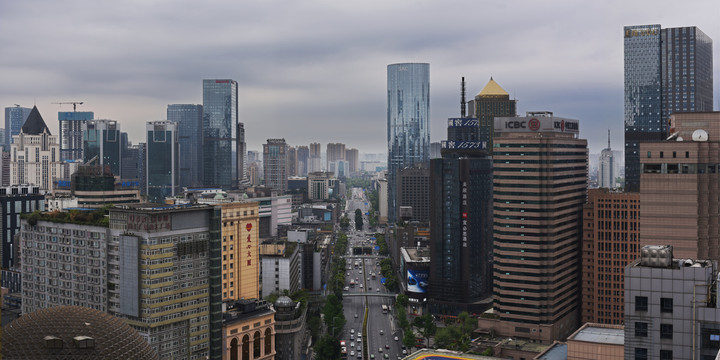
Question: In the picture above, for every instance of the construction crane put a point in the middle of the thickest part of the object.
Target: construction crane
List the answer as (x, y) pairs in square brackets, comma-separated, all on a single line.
[(74, 104)]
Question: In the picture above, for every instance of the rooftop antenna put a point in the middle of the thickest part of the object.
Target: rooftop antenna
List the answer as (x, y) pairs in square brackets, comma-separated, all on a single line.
[(462, 98), (608, 138)]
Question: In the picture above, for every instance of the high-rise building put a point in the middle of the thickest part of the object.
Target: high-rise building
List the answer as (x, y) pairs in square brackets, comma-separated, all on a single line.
[(35, 154), (611, 227), (220, 118), (14, 119), (540, 182), (315, 158), (303, 157), (189, 118), (241, 153), (460, 213), (680, 187), (352, 156), (240, 244), (318, 184), (161, 160), (133, 165), (666, 71), (275, 164), (16, 200), (413, 193), (408, 122), (280, 267), (101, 141), (71, 133), (491, 102), (435, 150), (606, 171), (335, 152), (291, 161)]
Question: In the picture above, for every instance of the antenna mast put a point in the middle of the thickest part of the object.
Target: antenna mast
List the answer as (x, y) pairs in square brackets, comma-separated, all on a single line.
[(608, 138), (462, 98)]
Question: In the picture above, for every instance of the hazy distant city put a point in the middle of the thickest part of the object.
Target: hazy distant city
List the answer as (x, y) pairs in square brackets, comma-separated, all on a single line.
[(381, 181)]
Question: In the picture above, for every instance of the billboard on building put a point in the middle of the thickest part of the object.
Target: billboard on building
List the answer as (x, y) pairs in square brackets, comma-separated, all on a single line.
[(417, 281), (537, 124)]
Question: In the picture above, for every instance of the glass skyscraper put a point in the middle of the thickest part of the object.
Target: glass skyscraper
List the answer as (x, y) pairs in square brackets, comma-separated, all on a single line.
[(666, 71), (189, 118), (408, 122), (161, 160), (14, 119), (220, 118), (101, 138)]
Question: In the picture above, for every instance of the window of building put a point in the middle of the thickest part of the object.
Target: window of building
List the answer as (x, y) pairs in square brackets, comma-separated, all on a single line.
[(666, 355), (666, 331), (687, 154), (641, 303), (649, 154), (666, 305), (640, 354), (662, 154), (641, 329), (674, 154)]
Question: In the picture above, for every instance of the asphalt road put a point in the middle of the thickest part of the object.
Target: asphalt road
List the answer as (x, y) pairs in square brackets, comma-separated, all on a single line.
[(374, 343)]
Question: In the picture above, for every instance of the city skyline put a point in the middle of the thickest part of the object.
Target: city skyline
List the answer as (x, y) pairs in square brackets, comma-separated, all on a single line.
[(129, 63)]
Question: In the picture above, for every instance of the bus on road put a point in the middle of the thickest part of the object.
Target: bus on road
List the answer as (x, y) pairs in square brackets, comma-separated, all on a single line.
[(385, 309)]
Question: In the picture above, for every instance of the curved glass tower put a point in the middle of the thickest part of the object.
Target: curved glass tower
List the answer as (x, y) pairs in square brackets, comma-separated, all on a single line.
[(408, 122)]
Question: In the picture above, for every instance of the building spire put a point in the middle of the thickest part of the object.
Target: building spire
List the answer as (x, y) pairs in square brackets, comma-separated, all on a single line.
[(608, 138)]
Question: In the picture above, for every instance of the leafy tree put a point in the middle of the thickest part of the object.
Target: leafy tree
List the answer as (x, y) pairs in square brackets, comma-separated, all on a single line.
[(314, 326), (328, 348), (344, 222), (358, 219), (427, 326), (409, 339), (445, 338), (403, 300)]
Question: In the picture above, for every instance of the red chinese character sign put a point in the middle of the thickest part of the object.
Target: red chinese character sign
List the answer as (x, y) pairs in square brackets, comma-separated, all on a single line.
[(249, 227)]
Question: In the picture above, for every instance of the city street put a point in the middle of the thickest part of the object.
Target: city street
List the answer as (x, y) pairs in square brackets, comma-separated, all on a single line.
[(367, 293)]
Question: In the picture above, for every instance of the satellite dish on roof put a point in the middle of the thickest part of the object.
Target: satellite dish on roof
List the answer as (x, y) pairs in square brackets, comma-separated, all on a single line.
[(700, 135)]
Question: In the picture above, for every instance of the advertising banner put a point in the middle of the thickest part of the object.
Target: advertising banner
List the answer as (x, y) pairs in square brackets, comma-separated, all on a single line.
[(417, 281)]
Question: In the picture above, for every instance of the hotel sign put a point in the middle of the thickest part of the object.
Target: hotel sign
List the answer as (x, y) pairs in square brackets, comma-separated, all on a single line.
[(642, 32)]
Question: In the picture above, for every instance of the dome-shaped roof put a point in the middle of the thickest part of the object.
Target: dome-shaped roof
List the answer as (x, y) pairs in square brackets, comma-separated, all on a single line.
[(73, 332), (284, 301)]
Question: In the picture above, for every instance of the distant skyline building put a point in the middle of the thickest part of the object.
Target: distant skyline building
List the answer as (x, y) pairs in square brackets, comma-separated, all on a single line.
[(241, 154), (408, 122), (352, 156), (413, 191), (607, 169), (315, 158), (491, 102), (291, 161), (303, 157), (71, 133), (16, 200), (220, 118), (666, 71), (101, 139), (189, 118), (335, 152), (275, 164), (162, 160), (540, 186), (133, 165), (14, 119), (35, 154)]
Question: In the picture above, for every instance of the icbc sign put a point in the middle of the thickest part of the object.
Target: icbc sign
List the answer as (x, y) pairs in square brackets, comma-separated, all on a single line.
[(534, 124)]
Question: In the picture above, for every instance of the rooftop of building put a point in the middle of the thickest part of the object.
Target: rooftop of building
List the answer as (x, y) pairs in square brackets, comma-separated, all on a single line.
[(600, 333), (556, 351), (279, 248), (416, 254), (492, 89), (661, 256), (73, 332), (429, 354), (78, 216), (34, 124), (242, 310)]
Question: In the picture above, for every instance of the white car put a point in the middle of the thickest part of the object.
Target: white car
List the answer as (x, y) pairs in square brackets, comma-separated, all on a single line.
[(396, 338), (352, 331), (352, 353)]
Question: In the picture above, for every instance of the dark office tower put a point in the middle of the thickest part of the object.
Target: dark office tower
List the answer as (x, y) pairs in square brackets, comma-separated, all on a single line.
[(353, 158), (241, 155), (189, 118), (414, 193), (461, 186), (666, 71), (14, 119), (303, 156), (491, 102), (275, 164), (408, 122), (540, 184), (161, 160), (220, 118), (133, 165), (291, 161), (101, 141), (71, 133)]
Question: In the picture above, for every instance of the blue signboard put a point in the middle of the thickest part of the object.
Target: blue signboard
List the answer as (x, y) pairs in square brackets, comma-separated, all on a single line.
[(382, 280), (463, 122), (446, 144), (377, 248)]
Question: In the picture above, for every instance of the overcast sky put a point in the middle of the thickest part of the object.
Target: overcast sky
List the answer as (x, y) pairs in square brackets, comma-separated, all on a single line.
[(315, 71)]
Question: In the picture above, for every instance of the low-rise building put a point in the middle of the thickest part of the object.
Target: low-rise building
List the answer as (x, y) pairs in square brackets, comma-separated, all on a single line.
[(248, 330), (281, 268)]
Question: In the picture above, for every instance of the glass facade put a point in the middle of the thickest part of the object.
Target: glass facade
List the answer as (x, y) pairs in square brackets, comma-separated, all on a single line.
[(101, 138), (189, 118), (408, 121), (220, 117), (162, 160), (666, 71), (14, 119), (71, 133)]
